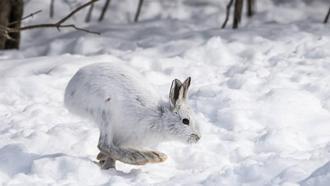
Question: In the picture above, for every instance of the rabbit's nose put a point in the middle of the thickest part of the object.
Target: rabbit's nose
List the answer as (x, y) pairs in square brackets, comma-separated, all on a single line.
[(193, 138)]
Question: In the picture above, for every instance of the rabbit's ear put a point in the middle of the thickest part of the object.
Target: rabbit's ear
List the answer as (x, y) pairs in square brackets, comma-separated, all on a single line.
[(186, 85), (175, 91)]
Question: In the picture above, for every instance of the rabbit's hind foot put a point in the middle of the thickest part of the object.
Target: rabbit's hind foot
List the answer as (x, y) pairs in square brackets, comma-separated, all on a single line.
[(143, 157)]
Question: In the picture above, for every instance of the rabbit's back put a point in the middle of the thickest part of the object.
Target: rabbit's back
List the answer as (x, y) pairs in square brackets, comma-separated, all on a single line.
[(108, 88)]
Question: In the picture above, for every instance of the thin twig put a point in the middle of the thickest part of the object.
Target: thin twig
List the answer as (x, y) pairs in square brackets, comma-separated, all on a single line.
[(28, 16), (137, 15), (104, 10), (327, 17), (227, 13)]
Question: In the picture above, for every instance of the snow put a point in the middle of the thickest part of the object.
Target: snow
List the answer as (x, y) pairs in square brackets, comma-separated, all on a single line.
[(261, 94)]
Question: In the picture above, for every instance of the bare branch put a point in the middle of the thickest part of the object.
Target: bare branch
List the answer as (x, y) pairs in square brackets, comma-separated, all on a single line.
[(59, 24), (137, 15), (227, 13), (327, 17), (104, 10), (75, 11), (77, 28)]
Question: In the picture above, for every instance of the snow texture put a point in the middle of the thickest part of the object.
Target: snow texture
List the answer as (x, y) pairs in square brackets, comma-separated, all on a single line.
[(261, 94)]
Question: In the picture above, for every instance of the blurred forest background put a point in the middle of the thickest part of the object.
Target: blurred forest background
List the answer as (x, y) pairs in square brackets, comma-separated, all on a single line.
[(14, 18)]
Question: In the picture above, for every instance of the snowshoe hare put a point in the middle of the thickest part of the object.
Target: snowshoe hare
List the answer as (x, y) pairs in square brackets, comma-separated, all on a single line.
[(129, 113)]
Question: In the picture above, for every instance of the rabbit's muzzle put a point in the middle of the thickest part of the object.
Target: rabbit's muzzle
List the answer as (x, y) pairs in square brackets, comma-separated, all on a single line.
[(193, 138)]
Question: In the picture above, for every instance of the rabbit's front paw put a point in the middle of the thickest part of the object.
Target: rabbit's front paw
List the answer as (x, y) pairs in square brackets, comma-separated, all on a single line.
[(101, 156), (105, 161)]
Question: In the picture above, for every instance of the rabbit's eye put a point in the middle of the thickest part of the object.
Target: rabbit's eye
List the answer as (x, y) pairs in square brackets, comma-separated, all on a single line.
[(185, 121)]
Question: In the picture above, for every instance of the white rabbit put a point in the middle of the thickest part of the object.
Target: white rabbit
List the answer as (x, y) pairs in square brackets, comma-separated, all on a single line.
[(129, 113)]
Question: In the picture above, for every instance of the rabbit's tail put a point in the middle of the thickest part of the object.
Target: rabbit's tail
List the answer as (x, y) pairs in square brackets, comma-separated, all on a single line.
[(135, 157)]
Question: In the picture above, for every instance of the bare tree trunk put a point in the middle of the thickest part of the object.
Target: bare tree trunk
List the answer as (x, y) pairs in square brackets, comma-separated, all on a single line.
[(89, 14), (237, 13), (227, 13), (15, 18), (250, 8), (327, 17), (51, 9), (11, 12), (137, 15), (104, 10), (4, 19)]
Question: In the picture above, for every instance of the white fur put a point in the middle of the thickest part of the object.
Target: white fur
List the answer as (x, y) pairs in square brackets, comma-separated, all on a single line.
[(127, 110)]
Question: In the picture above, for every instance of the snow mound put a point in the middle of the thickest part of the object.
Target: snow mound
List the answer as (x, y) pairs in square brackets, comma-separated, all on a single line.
[(320, 177)]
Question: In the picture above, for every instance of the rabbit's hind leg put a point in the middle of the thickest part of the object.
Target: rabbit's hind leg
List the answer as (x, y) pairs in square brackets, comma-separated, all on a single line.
[(105, 161), (132, 156)]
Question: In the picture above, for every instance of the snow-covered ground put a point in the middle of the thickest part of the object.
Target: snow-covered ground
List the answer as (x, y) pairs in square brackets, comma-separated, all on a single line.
[(262, 94)]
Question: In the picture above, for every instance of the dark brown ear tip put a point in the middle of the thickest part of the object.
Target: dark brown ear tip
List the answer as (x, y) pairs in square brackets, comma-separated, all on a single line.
[(177, 81), (188, 80)]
